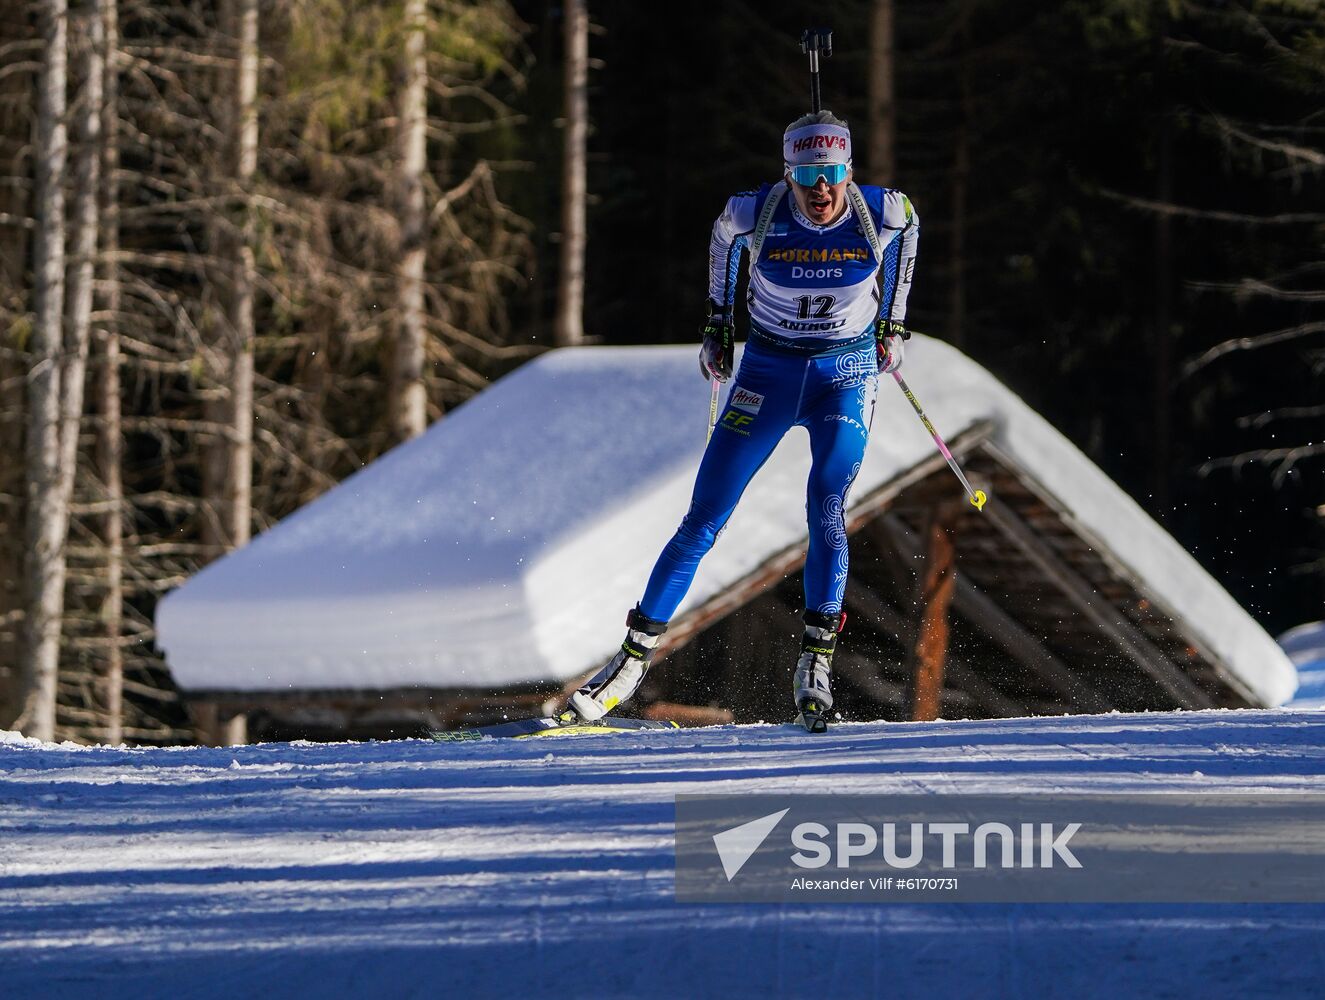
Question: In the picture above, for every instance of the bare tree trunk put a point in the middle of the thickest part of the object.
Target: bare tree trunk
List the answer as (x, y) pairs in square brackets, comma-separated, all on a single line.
[(16, 132), (228, 468), (882, 157), (85, 45), (47, 517), (88, 38), (109, 449), (407, 395), (240, 494), (227, 463), (574, 182)]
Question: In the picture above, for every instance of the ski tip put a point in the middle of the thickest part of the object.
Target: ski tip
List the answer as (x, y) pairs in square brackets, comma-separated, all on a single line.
[(559, 725)]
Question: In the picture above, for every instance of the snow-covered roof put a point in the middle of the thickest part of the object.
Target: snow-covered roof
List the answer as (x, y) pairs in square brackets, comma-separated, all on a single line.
[(1305, 647), (505, 545)]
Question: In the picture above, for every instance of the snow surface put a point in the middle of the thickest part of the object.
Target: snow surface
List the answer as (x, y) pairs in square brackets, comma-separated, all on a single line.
[(7, 736), (545, 868), (506, 544)]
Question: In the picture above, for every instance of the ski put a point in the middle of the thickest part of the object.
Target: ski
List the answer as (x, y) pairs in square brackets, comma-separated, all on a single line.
[(812, 717), (527, 728)]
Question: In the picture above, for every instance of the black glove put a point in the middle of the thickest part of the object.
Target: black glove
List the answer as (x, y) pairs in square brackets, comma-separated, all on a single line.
[(715, 356), (888, 338)]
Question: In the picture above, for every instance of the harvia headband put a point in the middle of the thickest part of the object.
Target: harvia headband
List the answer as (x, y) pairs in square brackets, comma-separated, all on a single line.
[(816, 144)]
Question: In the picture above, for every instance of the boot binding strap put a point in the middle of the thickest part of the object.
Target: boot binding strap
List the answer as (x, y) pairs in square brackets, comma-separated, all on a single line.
[(640, 622)]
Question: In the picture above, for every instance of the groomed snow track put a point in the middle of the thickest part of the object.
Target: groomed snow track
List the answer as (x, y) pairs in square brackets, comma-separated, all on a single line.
[(544, 868)]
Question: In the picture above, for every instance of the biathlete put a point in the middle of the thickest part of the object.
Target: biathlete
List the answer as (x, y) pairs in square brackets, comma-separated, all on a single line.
[(831, 264)]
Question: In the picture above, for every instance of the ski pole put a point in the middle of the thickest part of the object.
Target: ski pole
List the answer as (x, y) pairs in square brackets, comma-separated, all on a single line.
[(713, 407), (977, 497), (815, 41)]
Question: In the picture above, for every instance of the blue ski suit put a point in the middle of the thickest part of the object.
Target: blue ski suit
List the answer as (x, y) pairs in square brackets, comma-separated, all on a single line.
[(815, 296)]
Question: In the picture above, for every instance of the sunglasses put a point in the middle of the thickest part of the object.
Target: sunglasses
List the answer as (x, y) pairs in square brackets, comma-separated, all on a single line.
[(808, 174)]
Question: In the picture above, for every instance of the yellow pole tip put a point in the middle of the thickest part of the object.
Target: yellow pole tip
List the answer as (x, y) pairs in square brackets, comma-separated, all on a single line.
[(978, 501)]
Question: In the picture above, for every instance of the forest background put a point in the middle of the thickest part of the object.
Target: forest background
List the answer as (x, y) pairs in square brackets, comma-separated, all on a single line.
[(246, 247)]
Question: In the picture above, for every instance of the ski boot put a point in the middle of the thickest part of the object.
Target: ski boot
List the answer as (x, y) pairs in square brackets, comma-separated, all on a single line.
[(813, 691), (621, 677)]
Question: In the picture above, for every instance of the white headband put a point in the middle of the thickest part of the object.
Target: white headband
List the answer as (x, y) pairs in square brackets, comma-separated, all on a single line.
[(816, 144)]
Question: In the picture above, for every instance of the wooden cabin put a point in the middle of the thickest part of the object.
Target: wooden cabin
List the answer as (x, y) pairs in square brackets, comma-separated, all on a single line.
[(483, 569)]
